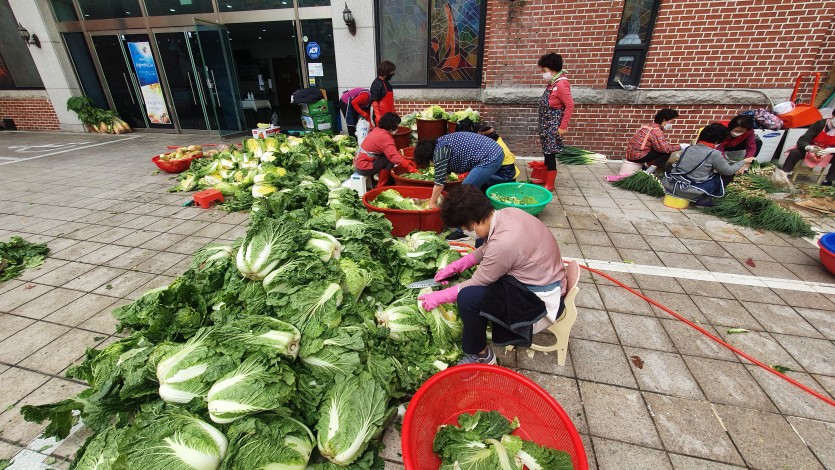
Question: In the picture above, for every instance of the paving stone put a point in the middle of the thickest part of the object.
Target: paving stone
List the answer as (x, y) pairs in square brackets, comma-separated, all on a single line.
[(17, 383), (765, 440), (93, 279), (723, 232), (618, 226), (781, 319), (62, 351), (819, 436), (76, 250), (770, 269), (703, 288), (140, 222), (683, 462), (641, 256), (815, 355), (80, 310), (623, 278), (632, 241), (16, 429), (823, 321), (65, 274), (69, 446), (689, 341), (601, 253), (160, 262), (594, 325), (663, 373), (791, 255), (682, 260), (592, 237), (189, 227), (131, 258), (682, 304), (391, 445), (589, 448), (805, 299), (723, 265), (6, 286), (164, 225), (189, 245), (20, 294), (49, 265), (761, 346), (792, 401), (565, 391), (618, 413), (588, 296), (754, 294), (614, 454), (103, 254), (11, 324), (641, 331), (617, 299), (746, 250), (7, 451), (648, 282), (706, 248), (687, 232), (506, 357), (28, 340), (584, 221), (726, 313), (545, 362), (87, 232), (652, 228), (47, 303), (666, 244), (601, 362), (113, 234), (728, 383), (690, 427)]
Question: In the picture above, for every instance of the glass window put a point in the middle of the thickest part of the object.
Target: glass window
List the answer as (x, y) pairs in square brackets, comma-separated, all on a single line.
[(244, 5), (177, 7), (449, 34), (84, 68), (634, 35), (314, 3), (99, 9), (64, 10)]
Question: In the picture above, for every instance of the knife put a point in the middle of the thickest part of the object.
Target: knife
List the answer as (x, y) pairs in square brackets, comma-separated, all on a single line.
[(430, 283)]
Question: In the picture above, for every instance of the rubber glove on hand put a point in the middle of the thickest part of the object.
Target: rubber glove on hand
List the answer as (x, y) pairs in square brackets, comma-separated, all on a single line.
[(463, 176), (458, 266), (409, 166), (825, 152), (812, 148), (433, 299)]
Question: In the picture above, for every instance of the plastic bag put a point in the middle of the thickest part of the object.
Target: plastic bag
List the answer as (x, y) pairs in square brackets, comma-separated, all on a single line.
[(363, 127), (781, 179)]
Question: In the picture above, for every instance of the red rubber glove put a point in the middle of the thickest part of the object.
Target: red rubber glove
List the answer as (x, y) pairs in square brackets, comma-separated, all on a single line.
[(409, 166), (463, 176), (433, 299), (458, 266)]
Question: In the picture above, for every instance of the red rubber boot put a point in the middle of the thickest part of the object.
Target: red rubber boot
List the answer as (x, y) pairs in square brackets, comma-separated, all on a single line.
[(550, 177), (383, 178)]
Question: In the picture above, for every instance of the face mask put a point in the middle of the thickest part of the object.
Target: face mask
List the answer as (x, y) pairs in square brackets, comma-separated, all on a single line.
[(668, 127), (389, 77), (736, 134), (546, 76)]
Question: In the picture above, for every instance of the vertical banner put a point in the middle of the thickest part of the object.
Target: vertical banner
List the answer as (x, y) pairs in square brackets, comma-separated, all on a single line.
[(146, 71)]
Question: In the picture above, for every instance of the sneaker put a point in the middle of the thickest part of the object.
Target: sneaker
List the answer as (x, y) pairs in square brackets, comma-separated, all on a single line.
[(705, 202), (489, 358), (826, 183), (456, 235)]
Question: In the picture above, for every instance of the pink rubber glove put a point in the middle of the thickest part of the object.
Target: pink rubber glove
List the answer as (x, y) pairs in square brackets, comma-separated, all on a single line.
[(433, 299), (458, 266)]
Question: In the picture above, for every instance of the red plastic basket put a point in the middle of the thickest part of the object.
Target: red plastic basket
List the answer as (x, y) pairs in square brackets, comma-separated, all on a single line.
[(827, 255), (405, 222), (172, 166), (473, 387)]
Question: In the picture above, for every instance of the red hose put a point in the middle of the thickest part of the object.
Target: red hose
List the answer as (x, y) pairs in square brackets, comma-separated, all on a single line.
[(714, 338)]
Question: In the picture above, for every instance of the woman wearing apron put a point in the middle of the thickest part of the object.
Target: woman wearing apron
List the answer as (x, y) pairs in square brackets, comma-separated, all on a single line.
[(697, 175), (379, 154), (816, 148), (555, 108), (741, 143), (382, 94)]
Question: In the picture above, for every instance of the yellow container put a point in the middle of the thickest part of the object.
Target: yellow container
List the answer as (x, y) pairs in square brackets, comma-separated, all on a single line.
[(675, 202)]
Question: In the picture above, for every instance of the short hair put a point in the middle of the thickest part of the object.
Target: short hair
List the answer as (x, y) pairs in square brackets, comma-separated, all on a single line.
[(464, 206), (425, 152), (714, 133), (665, 115), (489, 132), (386, 67), (551, 60), (389, 121), (743, 120)]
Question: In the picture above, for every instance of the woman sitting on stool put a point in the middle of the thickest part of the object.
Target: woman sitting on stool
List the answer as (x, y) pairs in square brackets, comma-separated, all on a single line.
[(698, 173), (816, 146), (649, 145), (379, 154)]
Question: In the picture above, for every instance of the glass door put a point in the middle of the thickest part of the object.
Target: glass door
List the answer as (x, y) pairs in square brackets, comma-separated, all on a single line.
[(177, 53), (146, 77), (220, 78), (119, 79)]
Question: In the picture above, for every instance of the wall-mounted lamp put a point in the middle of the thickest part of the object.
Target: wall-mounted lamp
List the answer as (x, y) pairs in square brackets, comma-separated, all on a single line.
[(30, 40), (348, 18)]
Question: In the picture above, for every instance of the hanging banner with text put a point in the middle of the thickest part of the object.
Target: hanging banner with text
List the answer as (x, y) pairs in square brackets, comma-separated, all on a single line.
[(146, 72)]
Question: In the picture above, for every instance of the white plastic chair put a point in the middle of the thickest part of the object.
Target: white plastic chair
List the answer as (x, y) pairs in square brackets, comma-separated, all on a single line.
[(562, 327), (360, 184)]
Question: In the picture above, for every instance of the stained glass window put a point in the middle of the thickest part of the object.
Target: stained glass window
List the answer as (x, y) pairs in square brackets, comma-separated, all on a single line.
[(634, 34), (432, 42)]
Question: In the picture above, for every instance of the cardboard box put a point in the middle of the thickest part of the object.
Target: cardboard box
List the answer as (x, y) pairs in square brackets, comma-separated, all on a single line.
[(317, 123), (264, 133), (314, 109)]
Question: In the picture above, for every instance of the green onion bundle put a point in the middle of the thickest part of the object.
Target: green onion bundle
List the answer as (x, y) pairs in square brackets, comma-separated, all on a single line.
[(641, 182), (577, 156)]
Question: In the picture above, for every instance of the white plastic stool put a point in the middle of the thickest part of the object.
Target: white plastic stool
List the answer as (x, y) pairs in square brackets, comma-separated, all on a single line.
[(357, 182)]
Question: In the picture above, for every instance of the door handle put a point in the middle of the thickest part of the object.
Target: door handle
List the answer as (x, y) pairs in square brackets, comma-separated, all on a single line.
[(217, 94), (127, 84), (188, 74)]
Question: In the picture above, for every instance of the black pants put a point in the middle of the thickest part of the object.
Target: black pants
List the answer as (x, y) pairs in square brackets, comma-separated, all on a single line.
[(474, 338), (380, 163), (352, 128), (656, 158), (796, 155)]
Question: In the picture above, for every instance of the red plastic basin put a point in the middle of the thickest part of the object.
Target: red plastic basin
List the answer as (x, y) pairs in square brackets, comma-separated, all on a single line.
[(826, 254), (172, 166), (406, 222)]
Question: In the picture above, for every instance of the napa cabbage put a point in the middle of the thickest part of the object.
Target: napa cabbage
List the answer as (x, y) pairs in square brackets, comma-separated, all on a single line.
[(264, 248), (325, 245), (186, 371), (254, 386), (262, 335), (402, 319), (268, 442)]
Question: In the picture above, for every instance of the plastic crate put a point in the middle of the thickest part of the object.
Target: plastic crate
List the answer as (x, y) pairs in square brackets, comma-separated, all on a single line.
[(542, 196), (314, 109), (406, 222), (322, 123)]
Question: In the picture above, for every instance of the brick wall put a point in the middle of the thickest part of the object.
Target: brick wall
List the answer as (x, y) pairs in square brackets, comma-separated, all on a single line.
[(30, 113)]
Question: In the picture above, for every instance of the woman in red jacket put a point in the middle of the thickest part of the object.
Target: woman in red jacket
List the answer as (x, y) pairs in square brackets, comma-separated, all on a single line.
[(379, 154), (382, 94), (555, 108), (741, 143)]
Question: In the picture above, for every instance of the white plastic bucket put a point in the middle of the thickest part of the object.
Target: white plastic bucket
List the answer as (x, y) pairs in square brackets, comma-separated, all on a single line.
[(783, 108), (627, 168)]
